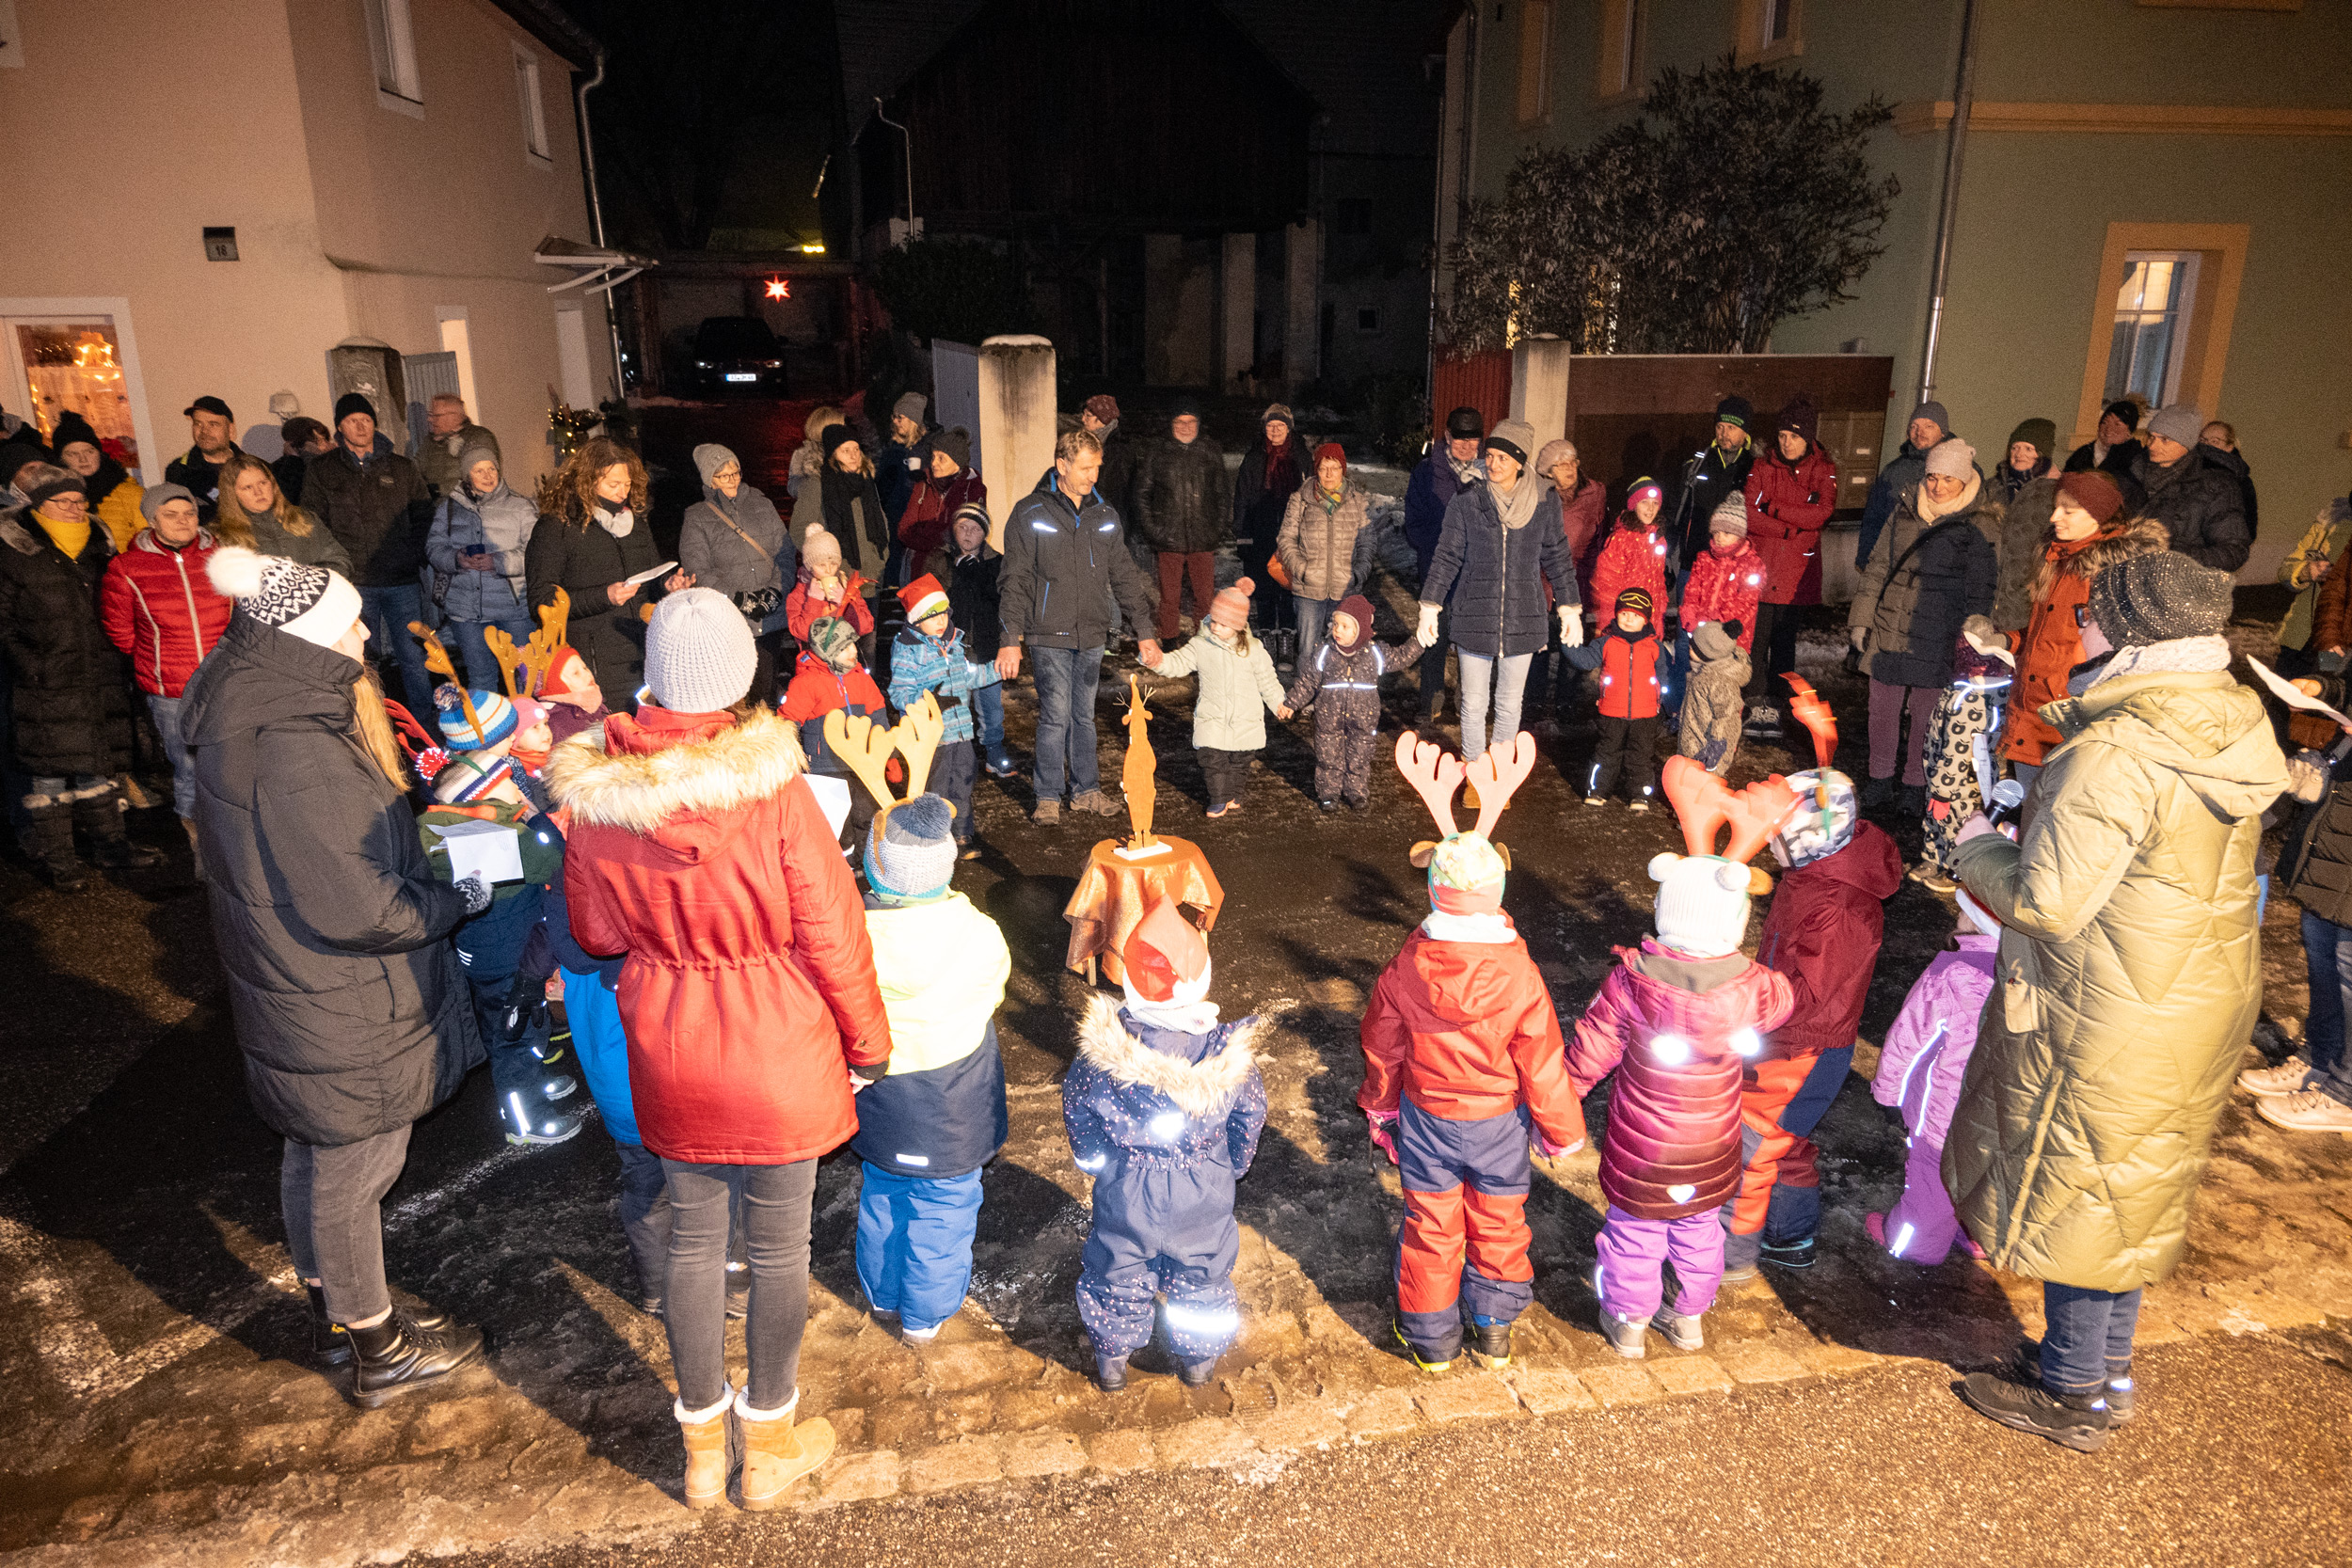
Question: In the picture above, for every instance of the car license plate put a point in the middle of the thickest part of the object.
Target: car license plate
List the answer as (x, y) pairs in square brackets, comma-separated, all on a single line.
[(742, 375)]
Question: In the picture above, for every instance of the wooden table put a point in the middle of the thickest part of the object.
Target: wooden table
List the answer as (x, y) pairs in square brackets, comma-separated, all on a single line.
[(1115, 890)]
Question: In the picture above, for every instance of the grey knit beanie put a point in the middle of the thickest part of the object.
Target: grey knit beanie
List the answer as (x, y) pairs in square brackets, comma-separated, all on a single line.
[(2159, 598), (1730, 515), (911, 851), (911, 406), (711, 457), (1952, 457), (1932, 410), (1516, 439), (699, 657), (2177, 421), (154, 500)]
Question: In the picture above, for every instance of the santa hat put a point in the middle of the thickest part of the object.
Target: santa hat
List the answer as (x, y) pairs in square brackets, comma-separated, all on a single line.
[(1166, 957), (924, 598), (1984, 920), (1702, 903), (1229, 609)]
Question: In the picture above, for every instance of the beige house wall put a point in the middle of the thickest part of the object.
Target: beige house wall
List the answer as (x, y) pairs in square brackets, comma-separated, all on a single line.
[(352, 218)]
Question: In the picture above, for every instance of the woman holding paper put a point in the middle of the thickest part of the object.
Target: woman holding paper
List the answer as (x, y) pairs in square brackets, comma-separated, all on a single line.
[(598, 548), (350, 1007)]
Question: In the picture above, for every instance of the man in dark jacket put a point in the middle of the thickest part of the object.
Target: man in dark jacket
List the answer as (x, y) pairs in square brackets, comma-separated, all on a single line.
[(1718, 469), (375, 504), (2112, 448), (1179, 513), (1066, 558), (2197, 496), (1450, 466), (304, 439), (212, 428)]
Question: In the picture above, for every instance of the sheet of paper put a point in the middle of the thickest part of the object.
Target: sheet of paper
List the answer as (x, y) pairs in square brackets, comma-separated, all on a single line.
[(484, 847), (833, 796), (1143, 854), (662, 571), (2285, 692)]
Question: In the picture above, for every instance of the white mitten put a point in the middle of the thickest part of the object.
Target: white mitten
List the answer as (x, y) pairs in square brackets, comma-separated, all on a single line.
[(1571, 626), (1426, 635)]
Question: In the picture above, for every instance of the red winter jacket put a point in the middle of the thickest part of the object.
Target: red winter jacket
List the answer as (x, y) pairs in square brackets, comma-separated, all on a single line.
[(697, 849), (1786, 507), (1466, 1030), (931, 509), (1672, 1029), (802, 610), (1628, 670), (160, 608), (1823, 932), (1724, 587), (1633, 557)]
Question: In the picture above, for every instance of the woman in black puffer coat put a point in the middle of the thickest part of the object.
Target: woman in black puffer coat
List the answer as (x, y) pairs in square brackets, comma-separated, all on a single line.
[(351, 1010)]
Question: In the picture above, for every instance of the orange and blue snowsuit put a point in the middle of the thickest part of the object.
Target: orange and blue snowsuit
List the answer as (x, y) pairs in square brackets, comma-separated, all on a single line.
[(1462, 1052)]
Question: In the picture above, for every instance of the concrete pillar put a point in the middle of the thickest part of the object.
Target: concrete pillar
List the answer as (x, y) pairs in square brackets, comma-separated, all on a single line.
[(1539, 387), (1302, 335), (1015, 436), (1239, 334)]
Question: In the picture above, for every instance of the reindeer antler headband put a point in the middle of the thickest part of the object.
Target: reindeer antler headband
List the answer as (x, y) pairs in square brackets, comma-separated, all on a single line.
[(1706, 806), (1466, 869)]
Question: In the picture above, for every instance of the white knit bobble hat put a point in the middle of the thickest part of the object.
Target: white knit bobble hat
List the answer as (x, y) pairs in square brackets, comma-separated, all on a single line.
[(699, 656)]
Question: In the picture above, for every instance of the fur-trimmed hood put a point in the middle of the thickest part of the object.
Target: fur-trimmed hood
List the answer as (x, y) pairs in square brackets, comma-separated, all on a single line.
[(2112, 546), (1204, 1091), (642, 792)]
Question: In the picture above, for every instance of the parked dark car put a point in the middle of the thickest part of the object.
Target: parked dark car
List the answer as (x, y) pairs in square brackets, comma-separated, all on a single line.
[(738, 353)]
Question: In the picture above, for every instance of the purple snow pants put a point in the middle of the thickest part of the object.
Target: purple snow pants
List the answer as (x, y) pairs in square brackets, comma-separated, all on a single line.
[(1921, 1228), (1631, 1251)]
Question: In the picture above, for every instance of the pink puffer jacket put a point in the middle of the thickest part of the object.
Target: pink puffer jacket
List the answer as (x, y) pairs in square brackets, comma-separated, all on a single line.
[(1676, 1030)]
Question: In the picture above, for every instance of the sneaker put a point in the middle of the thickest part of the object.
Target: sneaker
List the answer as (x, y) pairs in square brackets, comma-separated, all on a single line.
[(1328, 803), (1627, 1336), (1789, 1255), (1217, 811), (561, 1087), (1931, 878), (1491, 1345), (2025, 1367), (2306, 1111), (1047, 813), (2073, 1421), (919, 1336), (1763, 721), (1596, 801), (1742, 1274), (967, 851), (1681, 1332), (1432, 1368), (2288, 1077), (1639, 802), (1002, 770), (1095, 803)]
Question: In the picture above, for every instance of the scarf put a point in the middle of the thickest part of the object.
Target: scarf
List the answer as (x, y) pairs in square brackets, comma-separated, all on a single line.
[(1935, 510), (1185, 1017), (1467, 474), (614, 520), (72, 538), (1281, 470), (1492, 927), (2188, 656), (1517, 504)]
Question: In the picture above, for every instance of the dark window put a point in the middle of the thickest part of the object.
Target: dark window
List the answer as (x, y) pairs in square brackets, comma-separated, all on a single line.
[(1368, 318), (1355, 215)]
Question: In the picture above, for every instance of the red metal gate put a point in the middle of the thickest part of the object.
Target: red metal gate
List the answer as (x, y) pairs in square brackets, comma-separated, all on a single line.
[(1482, 381)]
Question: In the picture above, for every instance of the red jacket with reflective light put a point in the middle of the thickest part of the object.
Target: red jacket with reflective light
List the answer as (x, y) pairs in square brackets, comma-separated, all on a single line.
[(1724, 587), (1632, 557), (1465, 1031)]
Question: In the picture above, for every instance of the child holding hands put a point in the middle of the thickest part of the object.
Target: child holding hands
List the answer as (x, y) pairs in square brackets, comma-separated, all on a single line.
[(1238, 688)]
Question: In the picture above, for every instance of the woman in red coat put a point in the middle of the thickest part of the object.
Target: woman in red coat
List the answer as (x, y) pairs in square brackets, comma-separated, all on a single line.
[(751, 1005), (950, 483), (1792, 491)]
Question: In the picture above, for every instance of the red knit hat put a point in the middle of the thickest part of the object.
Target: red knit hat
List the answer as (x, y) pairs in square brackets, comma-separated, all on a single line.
[(1331, 451), (1357, 608), (1229, 609), (924, 598), (1164, 949), (2094, 492)]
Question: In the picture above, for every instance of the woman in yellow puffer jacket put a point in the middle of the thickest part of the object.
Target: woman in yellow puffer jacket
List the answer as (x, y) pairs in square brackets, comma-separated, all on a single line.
[(2129, 976), (114, 495)]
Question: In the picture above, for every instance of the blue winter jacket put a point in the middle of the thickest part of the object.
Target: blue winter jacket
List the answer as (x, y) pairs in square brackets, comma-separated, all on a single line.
[(1427, 494), (1140, 1098), (1494, 576), (920, 664), (500, 524)]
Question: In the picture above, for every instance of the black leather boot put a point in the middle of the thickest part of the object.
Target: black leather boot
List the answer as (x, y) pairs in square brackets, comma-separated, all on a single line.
[(400, 1355)]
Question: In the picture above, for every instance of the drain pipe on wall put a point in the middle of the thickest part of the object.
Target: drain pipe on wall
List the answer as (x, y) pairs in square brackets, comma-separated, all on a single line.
[(595, 217), (1964, 94)]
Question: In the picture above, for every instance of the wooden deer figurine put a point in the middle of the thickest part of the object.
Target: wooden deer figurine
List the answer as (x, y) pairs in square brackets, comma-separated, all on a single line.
[(865, 747), (1435, 774), (437, 659), (1138, 777), (554, 624)]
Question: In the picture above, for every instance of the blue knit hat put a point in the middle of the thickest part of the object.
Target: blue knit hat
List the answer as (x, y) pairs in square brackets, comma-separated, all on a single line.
[(457, 731), (911, 851)]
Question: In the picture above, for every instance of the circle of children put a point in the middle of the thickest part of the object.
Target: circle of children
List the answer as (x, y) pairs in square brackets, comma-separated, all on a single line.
[(738, 1007)]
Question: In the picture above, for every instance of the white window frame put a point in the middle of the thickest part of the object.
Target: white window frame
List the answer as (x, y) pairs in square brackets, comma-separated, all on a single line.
[(2181, 303), (393, 49), (1770, 12), (536, 148)]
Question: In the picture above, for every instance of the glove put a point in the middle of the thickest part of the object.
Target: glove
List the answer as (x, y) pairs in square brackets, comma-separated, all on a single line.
[(1860, 636), (1571, 625), (526, 1005), (477, 893), (1426, 634), (1383, 1134)]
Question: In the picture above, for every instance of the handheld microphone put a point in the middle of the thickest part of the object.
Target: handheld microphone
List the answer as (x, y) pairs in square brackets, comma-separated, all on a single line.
[(2007, 797)]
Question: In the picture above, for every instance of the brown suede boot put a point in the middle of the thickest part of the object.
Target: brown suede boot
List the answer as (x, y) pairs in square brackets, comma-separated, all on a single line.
[(710, 1451), (776, 1453)]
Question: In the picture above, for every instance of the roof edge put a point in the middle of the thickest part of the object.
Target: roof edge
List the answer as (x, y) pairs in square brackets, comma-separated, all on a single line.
[(554, 28)]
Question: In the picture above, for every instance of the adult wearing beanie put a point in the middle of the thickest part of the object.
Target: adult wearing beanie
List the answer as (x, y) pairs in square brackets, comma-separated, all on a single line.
[(71, 733), (2026, 457), (377, 502), (163, 613), (350, 1007), (1271, 472), (1453, 464), (949, 483), (2196, 494), (478, 546), (2132, 959), (1930, 426), (1720, 468), (1181, 513), (736, 542), (114, 495), (2113, 447), (751, 1005)]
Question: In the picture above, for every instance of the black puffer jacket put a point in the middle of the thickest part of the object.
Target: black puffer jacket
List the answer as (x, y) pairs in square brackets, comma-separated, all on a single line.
[(2317, 862), (2202, 505), (72, 693), (1922, 581), (381, 513), (1181, 495), (350, 1007), (585, 562), (1062, 568), (1496, 575), (972, 589)]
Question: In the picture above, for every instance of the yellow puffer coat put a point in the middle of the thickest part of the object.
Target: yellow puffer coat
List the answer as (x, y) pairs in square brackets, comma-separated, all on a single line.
[(2129, 978), (121, 513)]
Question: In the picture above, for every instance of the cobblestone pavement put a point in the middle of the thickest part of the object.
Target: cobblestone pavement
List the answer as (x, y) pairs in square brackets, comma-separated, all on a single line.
[(151, 1362)]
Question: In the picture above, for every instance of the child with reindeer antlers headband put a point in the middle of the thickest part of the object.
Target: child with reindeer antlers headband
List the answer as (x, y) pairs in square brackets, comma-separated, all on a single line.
[(1678, 1022), (1462, 1066), (1822, 932)]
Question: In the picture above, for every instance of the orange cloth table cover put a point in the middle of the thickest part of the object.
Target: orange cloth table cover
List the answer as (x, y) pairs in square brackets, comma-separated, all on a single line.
[(1113, 892)]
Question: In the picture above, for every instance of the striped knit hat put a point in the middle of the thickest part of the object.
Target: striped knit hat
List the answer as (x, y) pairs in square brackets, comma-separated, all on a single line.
[(457, 731), (467, 779)]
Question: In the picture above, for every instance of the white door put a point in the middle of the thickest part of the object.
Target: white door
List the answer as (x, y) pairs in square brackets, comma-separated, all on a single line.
[(571, 357)]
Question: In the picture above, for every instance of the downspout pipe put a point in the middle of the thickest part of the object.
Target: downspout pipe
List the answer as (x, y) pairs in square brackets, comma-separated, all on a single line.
[(596, 217), (1955, 149), (908, 137)]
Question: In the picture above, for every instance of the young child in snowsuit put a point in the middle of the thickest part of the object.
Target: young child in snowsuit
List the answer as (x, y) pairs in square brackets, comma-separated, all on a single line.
[(1341, 681), (1970, 706), (1238, 688), (1164, 1106), (1920, 1066), (1676, 1021), (1823, 933), (477, 786), (925, 1127), (928, 655), (1712, 703), (827, 677), (1627, 655), (1462, 1066)]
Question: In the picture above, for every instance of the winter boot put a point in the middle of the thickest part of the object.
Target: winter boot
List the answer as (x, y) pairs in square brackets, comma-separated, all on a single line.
[(1915, 800), (712, 1447), (1878, 793), (525, 1127), (1413, 1355), (1789, 1255), (196, 852), (1491, 1345), (48, 842), (1683, 1333), (1196, 1374), (400, 1355), (776, 1453), (2121, 1392), (330, 1342), (2076, 1421), (1627, 1336), (99, 815), (1110, 1373)]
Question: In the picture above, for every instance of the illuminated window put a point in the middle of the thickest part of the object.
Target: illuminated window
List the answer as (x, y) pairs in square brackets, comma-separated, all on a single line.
[(2152, 310)]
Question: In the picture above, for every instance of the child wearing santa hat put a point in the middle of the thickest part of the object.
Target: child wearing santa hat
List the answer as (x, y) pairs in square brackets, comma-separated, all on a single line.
[(928, 655), (1164, 1105)]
